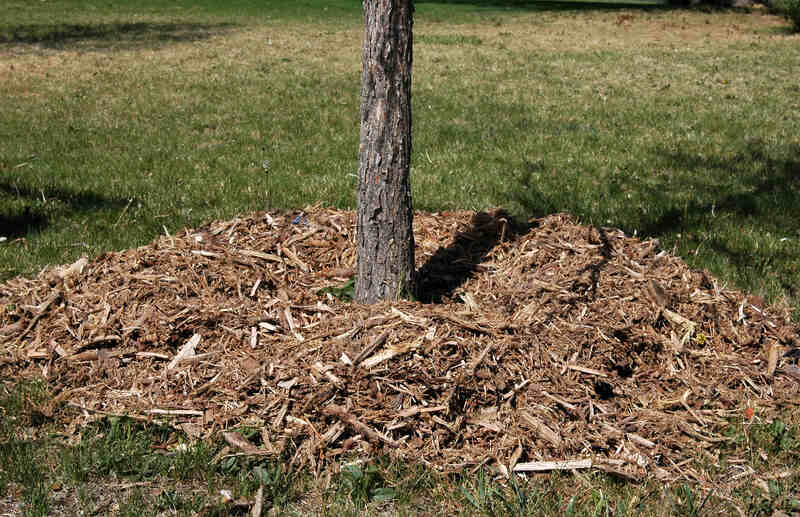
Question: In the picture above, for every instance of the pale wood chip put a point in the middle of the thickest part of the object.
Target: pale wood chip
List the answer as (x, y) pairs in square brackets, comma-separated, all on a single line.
[(185, 352), (544, 466)]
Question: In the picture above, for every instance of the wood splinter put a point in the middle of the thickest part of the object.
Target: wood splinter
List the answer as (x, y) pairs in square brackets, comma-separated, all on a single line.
[(373, 435)]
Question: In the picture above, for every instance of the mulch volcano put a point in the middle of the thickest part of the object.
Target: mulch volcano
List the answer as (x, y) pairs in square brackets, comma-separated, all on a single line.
[(536, 346)]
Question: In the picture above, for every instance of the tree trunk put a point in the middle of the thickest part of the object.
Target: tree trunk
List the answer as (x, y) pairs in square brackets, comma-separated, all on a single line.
[(385, 241)]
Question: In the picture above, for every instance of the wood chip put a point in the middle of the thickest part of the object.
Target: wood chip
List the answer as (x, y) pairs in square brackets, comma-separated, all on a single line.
[(258, 504), (536, 332), (772, 358), (186, 351), (544, 466), (390, 352), (540, 428), (176, 412), (353, 422), (588, 371), (236, 439)]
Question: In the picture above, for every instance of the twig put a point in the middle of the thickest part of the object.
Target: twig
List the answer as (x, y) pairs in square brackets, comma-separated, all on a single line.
[(586, 370), (540, 427), (367, 350), (564, 403), (176, 412), (464, 324), (342, 414), (258, 504), (42, 312), (543, 466), (186, 351), (109, 413)]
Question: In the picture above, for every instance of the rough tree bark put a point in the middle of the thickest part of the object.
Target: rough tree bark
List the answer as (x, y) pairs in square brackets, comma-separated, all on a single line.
[(385, 241)]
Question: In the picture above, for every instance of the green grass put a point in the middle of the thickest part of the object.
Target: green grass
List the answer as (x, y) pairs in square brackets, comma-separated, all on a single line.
[(789, 9), (122, 121)]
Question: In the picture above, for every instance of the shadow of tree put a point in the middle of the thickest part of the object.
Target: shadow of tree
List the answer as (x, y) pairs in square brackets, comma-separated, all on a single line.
[(549, 5), (20, 223), (453, 265), (742, 208), (770, 195), (29, 216), (121, 34), (749, 184)]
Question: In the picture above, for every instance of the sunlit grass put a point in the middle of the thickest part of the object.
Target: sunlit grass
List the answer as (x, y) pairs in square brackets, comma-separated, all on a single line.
[(680, 125), (121, 124)]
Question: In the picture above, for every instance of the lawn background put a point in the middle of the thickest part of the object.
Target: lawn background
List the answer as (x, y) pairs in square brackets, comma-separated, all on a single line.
[(120, 121), (124, 119)]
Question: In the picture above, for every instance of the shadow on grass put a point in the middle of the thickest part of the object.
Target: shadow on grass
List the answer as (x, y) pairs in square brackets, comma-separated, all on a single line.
[(769, 195), (31, 212), (453, 265), (104, 35), (749, 184), (551, 5), (20, 223), (767, 199), (742, 207)]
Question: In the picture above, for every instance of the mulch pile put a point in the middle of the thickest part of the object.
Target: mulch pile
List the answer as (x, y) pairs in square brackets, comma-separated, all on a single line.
[(541, 346)]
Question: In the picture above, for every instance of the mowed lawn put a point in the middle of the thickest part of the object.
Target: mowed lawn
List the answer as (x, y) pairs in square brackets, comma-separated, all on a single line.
[(120, 121), (126, 120)]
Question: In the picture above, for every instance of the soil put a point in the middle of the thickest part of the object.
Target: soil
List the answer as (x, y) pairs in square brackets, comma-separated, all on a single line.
[(534, 346)]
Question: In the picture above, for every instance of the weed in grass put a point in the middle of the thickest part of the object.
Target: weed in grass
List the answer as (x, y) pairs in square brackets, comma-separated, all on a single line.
[(768, 447), (117, 446), (362, 484), (480, 493), (513, 497), (169, 500), (133, 504), (279, 483), (784, 439), (228, 466), (775, 438), (685, 501), (517, 499), (192, 461)]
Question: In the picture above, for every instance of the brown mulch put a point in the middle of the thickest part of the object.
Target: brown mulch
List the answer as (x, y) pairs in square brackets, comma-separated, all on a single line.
[(536, 343)]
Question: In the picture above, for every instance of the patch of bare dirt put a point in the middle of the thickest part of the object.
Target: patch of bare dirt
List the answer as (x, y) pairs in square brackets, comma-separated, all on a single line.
[(544, 345)]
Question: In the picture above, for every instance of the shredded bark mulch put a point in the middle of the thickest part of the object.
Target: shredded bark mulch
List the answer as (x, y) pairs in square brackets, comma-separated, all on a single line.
[(537, 346)]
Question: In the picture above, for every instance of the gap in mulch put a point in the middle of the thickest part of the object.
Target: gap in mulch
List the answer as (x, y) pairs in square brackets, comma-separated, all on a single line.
[(536, 346)]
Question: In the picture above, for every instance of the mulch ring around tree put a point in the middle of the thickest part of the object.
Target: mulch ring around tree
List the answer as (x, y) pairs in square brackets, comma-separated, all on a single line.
[(537, 346)]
